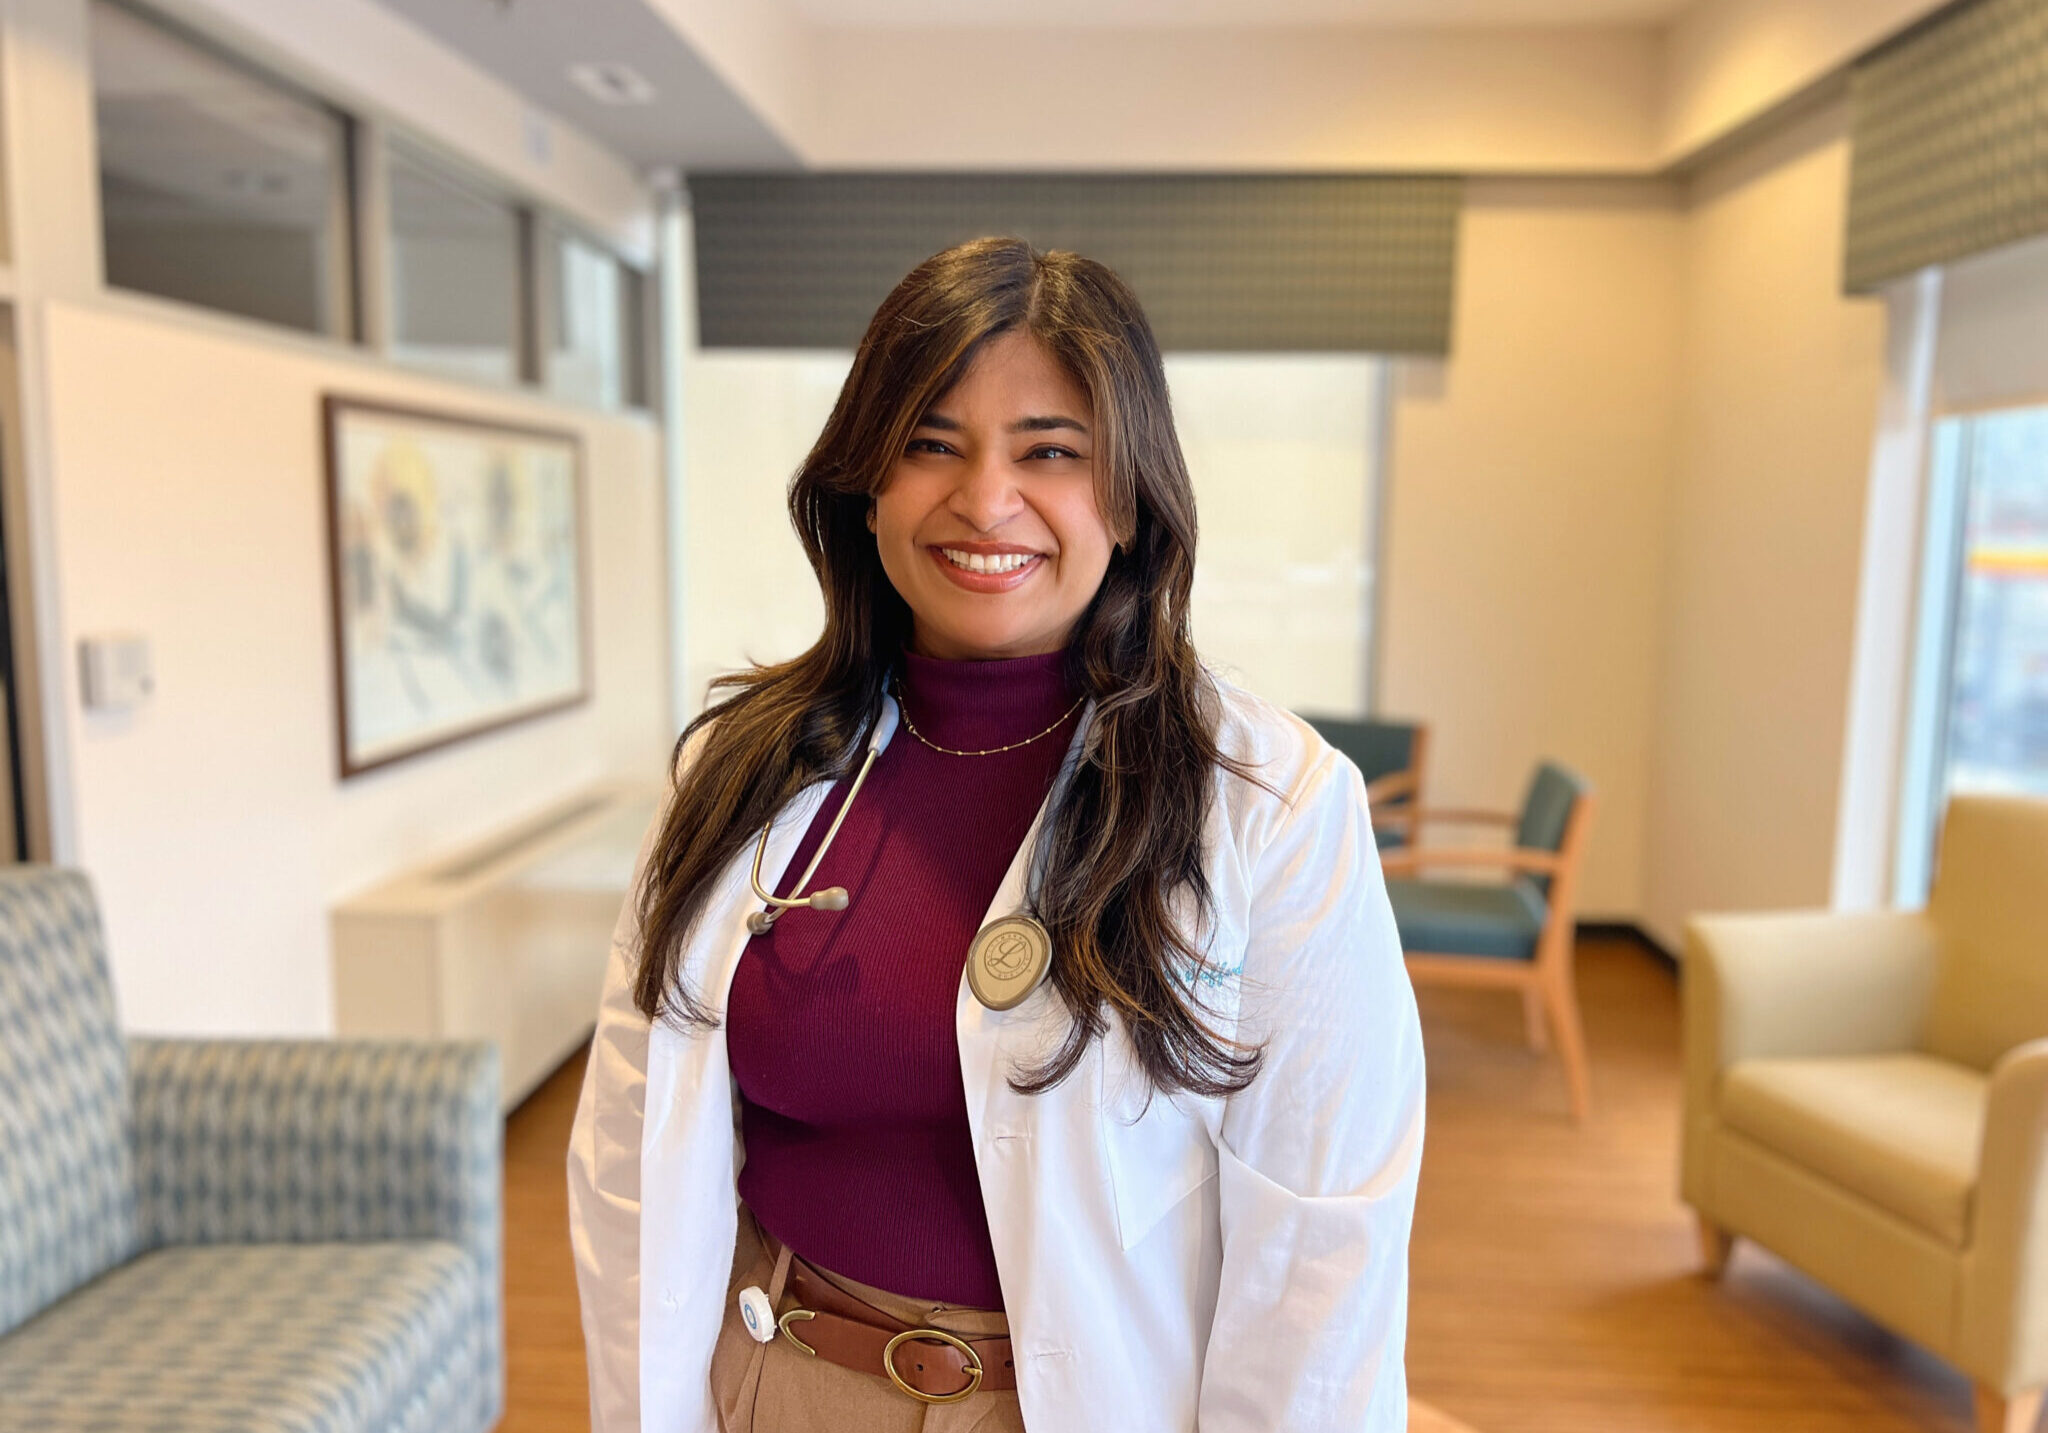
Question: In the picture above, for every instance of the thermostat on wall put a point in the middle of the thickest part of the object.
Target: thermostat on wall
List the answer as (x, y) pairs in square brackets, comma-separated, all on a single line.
[(114, 673)]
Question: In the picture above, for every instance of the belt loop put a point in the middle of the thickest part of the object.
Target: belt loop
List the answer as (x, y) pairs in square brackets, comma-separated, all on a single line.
[(780, 1277)]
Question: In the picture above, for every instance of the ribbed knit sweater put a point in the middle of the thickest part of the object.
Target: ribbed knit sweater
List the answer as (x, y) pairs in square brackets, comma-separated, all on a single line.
[(840, 1026)]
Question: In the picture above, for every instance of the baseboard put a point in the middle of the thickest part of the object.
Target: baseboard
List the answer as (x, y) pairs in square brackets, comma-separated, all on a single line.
[(1629, 931)]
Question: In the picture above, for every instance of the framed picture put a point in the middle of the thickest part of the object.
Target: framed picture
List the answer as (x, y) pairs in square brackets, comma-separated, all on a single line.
[(455, 553)]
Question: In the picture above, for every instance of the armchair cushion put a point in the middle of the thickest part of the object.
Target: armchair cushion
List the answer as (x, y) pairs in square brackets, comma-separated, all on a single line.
[(1468, 917), (1901, 1131), (259, 1338)]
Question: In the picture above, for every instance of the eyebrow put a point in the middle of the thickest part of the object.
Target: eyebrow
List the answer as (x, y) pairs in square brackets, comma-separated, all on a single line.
[(1037, 424)]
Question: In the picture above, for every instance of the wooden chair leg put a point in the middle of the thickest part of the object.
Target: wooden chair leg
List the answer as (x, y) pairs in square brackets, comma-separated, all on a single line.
[(1716, 1244), (1998, 1413), (1533, 1019), (1571, 1040)]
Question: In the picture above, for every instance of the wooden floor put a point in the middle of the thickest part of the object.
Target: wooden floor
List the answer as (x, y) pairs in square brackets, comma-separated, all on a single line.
[(1552, 1283)]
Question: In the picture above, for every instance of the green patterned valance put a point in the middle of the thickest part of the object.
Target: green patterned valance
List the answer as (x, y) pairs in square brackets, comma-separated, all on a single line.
[(1950, 141), (1221, 262)]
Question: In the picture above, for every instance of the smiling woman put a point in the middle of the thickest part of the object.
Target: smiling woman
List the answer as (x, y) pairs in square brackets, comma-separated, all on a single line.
[(1083, 1086), (984, 503)]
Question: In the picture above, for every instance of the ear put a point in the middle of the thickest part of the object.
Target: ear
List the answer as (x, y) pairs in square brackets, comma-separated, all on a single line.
[(871, 515)]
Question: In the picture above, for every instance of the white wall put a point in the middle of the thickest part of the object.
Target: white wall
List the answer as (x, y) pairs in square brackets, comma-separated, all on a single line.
[(189, 507), (1574, 100), (1527, 507), (1780, 385)]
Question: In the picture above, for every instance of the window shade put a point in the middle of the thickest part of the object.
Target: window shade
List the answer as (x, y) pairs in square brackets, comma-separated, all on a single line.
[(1950, 141), (1221, 262)]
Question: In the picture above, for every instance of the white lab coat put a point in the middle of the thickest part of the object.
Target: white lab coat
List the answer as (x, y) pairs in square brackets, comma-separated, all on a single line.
[(1224, 1264)]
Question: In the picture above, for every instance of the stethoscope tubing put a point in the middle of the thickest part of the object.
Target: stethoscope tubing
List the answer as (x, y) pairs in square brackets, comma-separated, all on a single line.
[(833, 898)]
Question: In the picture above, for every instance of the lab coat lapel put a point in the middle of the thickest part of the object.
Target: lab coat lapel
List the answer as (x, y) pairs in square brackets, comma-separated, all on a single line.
[(690, 1144)]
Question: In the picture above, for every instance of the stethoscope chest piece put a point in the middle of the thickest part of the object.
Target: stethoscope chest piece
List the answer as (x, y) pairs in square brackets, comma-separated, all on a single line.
[(1008, 960)]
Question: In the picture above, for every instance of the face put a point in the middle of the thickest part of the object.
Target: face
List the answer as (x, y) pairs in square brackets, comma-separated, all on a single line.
[(987, 524)]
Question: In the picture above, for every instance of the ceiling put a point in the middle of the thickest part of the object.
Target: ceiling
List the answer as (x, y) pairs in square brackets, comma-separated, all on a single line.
[(696, 119), (1207, 14)]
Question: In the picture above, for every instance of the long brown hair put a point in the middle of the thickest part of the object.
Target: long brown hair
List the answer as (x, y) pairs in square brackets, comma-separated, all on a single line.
[(1123, 844)]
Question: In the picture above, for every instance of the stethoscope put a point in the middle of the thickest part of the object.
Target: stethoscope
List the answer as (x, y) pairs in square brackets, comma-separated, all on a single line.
[(1010, 956)]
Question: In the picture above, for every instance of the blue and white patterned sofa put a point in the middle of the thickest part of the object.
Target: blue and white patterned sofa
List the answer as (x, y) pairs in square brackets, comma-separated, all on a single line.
[(256, 1235)]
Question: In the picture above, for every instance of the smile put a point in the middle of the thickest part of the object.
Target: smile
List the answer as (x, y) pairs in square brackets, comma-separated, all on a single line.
[(987, 573), (994, 562)]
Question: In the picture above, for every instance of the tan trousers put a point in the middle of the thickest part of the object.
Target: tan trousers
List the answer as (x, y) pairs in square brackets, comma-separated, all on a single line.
[(775, 1387)]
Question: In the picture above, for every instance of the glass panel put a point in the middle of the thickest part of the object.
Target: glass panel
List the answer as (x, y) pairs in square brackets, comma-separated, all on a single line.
[(217, 186), (1998, 698), (587, 357), (1281, 448), (454, 272), (1979, 705)]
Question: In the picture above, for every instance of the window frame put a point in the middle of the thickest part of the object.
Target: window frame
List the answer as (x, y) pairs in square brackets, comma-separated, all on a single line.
[(357, 292), (341, 289)]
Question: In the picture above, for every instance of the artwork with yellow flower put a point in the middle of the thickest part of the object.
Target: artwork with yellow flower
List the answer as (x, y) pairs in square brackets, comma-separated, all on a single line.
[(456, 554)]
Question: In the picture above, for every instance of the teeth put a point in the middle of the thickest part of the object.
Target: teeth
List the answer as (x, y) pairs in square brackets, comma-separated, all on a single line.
[(986, 562)]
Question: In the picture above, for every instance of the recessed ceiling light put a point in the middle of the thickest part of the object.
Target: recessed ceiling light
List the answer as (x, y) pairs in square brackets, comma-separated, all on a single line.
[(612, 83)]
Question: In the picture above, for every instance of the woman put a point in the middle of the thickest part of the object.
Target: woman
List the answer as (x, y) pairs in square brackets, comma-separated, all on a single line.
[(1148, 1161)]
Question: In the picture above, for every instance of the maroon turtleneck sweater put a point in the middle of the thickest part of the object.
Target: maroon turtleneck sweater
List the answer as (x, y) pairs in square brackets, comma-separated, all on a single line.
[(840, 1024)]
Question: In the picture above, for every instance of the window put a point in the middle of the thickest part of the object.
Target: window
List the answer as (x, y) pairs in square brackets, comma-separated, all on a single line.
[(223, 186), (454, 271), (595, 327), (218, 185), (1283, 451), (1980, 719)]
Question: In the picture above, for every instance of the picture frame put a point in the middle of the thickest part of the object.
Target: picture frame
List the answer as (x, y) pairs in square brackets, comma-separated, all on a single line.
[(457, 577)]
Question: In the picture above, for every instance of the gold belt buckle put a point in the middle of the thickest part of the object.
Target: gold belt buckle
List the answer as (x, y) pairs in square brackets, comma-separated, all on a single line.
[(937, 1336)]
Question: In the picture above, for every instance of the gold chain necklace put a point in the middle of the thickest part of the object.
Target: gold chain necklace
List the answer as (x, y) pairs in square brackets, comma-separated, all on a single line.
[(904, 710)]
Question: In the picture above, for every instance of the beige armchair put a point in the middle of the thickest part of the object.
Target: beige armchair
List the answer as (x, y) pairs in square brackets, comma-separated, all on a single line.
[(1866, 1096)]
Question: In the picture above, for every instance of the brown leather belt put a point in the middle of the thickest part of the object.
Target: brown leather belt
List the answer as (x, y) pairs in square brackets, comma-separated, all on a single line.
[(928, 1364)]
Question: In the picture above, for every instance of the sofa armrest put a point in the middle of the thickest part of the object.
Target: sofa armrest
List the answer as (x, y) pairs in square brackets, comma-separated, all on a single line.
[(1796, 983), (289, 1141), (2002, 1323)]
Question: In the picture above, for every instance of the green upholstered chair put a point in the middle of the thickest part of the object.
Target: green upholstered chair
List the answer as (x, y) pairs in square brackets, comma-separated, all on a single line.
[(1514, 934), (1389, 754)]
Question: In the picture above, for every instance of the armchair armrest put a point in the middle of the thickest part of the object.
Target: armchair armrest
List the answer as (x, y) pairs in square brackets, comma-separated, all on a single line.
[(1792, 983), (287, 1141), (1394, 786), (2002, 1320), (1528, 859), (1444, 816), (1805, 983)]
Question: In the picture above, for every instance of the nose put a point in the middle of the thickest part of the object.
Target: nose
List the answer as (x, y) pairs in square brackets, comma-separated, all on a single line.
[(986, 494)]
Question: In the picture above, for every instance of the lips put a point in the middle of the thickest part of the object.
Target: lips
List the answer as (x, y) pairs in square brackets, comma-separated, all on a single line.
[(986, 569)]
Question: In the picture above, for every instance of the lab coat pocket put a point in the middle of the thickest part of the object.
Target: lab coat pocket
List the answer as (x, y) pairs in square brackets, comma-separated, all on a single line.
[(1158, 1150)]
